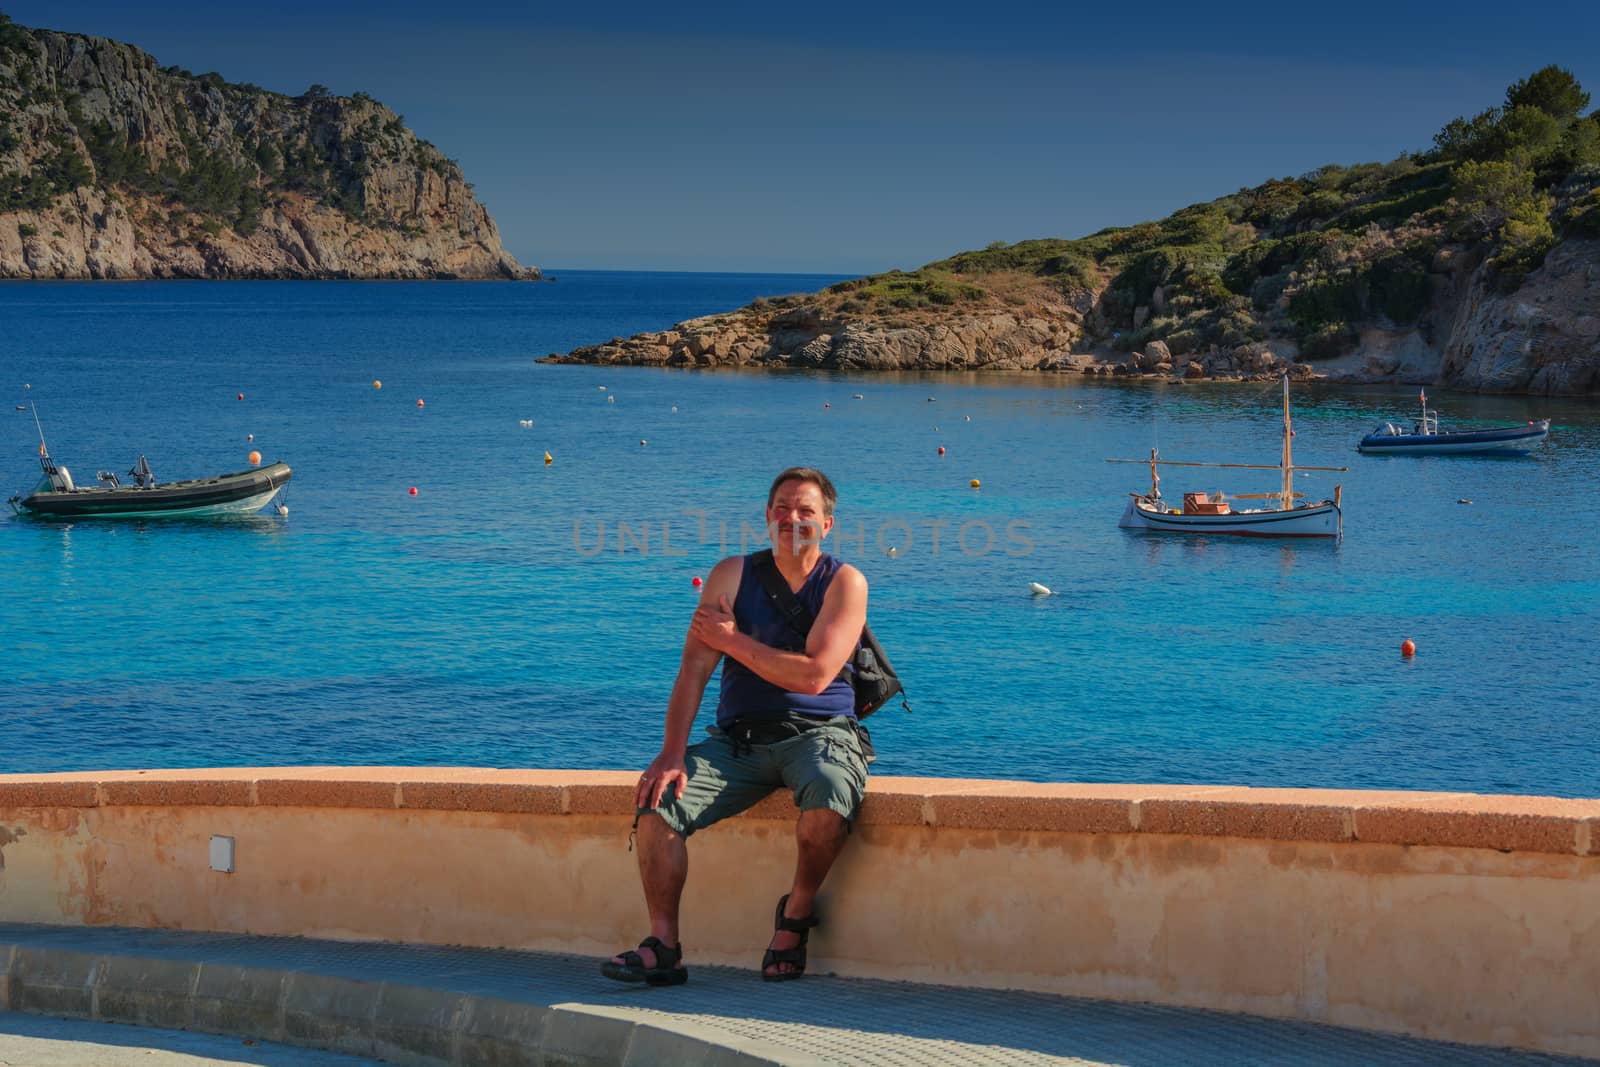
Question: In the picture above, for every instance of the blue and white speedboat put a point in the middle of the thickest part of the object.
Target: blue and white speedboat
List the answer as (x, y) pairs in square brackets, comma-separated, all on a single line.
[(1424, 438)]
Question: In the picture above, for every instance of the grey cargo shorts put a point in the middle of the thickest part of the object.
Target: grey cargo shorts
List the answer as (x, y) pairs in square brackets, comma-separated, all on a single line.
[(825, 767)]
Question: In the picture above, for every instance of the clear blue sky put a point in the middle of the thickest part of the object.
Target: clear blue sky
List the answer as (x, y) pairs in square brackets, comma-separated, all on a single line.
[(856, 137)]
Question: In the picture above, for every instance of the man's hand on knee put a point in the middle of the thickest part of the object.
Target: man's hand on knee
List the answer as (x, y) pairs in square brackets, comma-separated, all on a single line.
[(665, 772)]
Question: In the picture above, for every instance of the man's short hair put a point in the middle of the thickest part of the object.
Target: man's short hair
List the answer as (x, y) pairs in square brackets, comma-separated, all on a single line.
[(830, 495)]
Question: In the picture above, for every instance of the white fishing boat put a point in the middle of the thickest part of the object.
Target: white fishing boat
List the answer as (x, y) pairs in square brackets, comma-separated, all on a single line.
[(1214, 513), (1424, 438)]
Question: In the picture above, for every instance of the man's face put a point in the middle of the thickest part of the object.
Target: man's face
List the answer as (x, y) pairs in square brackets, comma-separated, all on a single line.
[(795, 518)]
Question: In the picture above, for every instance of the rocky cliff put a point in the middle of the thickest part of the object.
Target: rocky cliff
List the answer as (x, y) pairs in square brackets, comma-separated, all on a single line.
[(112, 166)]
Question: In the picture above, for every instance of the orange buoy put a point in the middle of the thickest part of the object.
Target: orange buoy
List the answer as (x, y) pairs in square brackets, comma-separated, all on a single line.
[(1408, 648), (976, 484), (941, 450), (413, 490), (255, 459), (419, 401), (377, 384)]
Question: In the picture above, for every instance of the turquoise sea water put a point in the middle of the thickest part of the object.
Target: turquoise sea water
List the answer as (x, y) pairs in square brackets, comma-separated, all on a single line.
[(477, 624)]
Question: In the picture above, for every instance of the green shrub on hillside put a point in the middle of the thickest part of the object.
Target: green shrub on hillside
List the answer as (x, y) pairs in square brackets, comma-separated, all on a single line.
[(1270, 205), (1329, 341), (12, 36), (59, 171), (1398, 288), (1552, 90), (1583, 219)]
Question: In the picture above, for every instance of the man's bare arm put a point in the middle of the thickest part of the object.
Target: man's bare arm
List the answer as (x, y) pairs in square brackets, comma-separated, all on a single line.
[(695, 669), (829, 646)]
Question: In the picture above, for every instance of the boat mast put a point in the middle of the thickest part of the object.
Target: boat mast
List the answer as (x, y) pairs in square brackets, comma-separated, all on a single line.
[(1155, 479), (1286, 498)]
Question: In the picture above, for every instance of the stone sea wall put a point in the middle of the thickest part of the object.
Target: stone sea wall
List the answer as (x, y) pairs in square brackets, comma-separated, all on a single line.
[(1444, 915)]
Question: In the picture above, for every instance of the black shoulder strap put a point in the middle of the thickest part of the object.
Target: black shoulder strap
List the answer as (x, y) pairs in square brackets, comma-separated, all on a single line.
[(795, 614), (778, 591)]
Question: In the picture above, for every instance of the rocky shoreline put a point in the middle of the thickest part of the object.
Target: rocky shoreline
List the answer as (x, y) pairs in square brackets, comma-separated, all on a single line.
[(1542, 338)]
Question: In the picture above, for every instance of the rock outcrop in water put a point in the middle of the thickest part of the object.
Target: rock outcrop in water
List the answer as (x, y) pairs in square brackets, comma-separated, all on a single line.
[(114, 167)]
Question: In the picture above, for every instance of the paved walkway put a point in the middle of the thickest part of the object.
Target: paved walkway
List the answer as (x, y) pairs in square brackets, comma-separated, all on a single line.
[(42, 1041), (455, 1004)]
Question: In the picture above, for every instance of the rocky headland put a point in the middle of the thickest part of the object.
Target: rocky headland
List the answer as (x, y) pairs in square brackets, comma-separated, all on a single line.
[(1542, 337), (112, 166), (1475, 266)]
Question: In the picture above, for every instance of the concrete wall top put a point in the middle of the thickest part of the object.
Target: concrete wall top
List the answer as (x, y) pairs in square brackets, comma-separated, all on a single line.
[(1460, 820)]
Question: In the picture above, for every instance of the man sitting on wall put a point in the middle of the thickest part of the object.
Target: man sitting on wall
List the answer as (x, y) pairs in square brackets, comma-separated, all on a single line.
[(786, 716)]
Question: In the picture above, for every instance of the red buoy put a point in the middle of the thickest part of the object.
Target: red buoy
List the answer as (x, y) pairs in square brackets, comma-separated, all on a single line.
[(941, 450), (696, 582), (413, 490), (241, 396), (1408, 648), (419, 401)]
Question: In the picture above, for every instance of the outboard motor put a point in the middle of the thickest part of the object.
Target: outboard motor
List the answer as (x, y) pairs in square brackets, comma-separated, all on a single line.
[(60, 478)]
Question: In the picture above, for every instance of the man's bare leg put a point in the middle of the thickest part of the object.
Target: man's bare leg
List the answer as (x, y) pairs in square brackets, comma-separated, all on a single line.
[(663, 869), (819, 835)]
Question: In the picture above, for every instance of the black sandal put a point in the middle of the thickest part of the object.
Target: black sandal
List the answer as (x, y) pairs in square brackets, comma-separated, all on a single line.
[(667, 971), (796, 956)]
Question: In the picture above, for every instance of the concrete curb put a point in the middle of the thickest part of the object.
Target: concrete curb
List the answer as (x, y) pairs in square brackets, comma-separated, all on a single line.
[(402, 1024)]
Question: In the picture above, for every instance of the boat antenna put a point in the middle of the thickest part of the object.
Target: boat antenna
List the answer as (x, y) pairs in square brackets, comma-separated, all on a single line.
[(43, 451)]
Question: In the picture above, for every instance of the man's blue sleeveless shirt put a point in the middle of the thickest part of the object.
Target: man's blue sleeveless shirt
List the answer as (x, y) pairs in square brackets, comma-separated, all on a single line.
[(745, 693)]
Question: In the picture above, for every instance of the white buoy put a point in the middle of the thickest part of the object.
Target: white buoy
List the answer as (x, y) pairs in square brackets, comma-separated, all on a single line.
[(610, 399), (893, 551), (283, 509), (674, 409), (1039, 590), (857, 396), (526, 424), (969, 418)]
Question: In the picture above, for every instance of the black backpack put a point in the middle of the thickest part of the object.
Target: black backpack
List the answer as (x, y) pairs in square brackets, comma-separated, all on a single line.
[(869, 670)]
